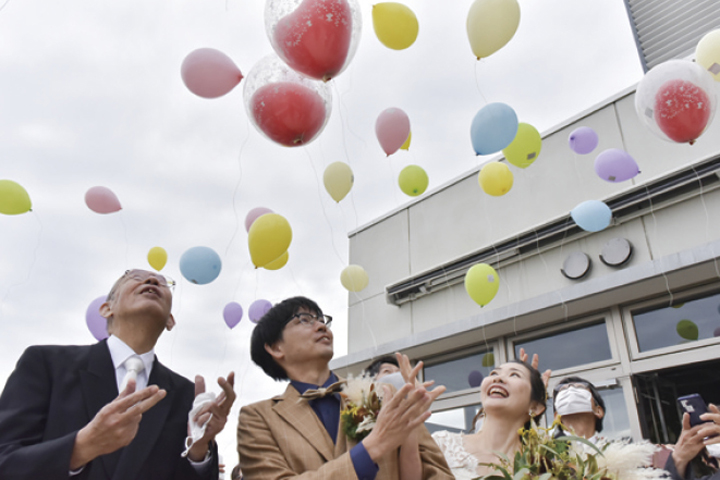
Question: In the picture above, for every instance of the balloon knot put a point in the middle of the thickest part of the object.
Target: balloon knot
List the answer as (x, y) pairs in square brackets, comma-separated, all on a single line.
[(692, 142), (327, 78)]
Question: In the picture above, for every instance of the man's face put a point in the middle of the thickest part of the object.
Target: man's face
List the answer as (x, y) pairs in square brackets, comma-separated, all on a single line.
[(304, 341), (141, 292)]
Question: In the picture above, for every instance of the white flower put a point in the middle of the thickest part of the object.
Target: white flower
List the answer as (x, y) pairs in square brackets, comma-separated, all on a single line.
[(357, 389)]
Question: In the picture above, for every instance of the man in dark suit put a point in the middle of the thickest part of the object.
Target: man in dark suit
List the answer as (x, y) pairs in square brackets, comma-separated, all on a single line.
[(61, 415)]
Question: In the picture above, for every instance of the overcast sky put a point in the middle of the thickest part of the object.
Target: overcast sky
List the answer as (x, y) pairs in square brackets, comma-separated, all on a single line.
[(91, 94)]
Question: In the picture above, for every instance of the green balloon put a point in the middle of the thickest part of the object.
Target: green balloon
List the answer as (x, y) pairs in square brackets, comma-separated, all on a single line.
[(687, 329), (488, 360)]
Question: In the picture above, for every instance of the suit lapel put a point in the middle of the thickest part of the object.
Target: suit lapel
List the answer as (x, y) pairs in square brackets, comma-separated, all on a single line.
[(134, 455), (100, 388), (296, 411)]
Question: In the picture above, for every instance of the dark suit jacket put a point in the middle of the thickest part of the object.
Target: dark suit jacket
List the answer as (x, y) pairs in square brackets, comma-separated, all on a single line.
[(56, 390)]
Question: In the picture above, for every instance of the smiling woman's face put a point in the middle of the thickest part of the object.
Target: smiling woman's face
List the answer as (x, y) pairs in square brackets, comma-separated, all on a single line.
[(507, 390)]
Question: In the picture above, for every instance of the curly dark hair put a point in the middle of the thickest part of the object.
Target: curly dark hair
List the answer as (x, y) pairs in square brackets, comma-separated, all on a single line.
[(269, 330)]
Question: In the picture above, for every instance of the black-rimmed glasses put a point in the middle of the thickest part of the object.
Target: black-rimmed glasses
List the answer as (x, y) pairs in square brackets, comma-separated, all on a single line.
[(309, 319)]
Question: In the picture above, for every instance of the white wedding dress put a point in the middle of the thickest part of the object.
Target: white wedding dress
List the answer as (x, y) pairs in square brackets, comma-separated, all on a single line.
[(463, 464)]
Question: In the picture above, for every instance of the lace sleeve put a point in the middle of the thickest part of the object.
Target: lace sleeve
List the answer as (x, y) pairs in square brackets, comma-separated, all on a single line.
[(451, 444)]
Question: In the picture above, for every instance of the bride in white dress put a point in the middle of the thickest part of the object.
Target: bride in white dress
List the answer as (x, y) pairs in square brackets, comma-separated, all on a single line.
[(511, 394)]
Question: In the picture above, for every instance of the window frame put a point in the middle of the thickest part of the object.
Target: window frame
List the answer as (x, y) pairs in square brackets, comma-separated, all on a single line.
[(604, 316), (627, 312), (449, 397)]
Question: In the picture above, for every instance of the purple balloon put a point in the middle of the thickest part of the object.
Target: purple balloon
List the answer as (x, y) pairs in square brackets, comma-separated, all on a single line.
[(232, 313), (254, 214), (615, 165), (583, 140), (96, 323), (257, 309), (716, 333), (475, 378)]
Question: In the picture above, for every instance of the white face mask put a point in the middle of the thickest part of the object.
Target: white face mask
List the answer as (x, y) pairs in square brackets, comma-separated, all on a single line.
[(573, 400), (394, 379)]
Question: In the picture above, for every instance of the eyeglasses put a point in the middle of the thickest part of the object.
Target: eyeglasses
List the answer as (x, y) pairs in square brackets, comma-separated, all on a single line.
[(142, 276), (308, 319), (565, 386)]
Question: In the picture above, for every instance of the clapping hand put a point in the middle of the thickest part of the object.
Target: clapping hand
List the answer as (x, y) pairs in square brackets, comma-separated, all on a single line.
[(214, 414), (535, 363)]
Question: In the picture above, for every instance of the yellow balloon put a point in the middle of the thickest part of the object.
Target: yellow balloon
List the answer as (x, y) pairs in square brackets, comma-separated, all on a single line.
[(525, 148), (491, 24), (157, 258), (269, 237), (406, 145), (14, 200), (354, 278), (707, 53), (396, 26), (495, 178), (482, 283), (278, 263), (338, 180), (413, 180)]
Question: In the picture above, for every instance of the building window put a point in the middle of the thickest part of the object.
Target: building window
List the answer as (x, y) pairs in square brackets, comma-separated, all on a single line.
[(678, 324), (583, 345), (461, 373), (456, 420), (616, 424)]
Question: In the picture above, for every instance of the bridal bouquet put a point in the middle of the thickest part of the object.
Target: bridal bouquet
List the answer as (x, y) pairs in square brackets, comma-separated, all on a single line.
[(543, 457), (362, 405)]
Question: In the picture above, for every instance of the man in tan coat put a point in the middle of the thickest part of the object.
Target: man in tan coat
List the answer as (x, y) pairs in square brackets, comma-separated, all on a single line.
[(292, 436)]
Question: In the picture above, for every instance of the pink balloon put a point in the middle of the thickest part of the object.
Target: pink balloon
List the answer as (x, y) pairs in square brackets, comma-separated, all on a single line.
[(254, 214), (392, 129), (96, 323), (209, 73), (102, 200)]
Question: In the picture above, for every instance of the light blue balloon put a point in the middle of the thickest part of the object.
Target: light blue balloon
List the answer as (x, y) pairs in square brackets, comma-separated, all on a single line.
[(493, 128), (592, 215), (200, 265)]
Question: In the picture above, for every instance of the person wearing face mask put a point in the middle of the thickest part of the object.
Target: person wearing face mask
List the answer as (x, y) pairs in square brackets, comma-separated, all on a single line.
[(580, 407), (396, 371)]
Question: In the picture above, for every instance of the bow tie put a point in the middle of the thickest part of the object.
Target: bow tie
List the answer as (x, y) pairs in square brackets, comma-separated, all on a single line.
[(312, 394)]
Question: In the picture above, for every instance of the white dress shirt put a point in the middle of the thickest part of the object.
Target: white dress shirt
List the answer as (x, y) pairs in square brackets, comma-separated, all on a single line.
[(119, 352)]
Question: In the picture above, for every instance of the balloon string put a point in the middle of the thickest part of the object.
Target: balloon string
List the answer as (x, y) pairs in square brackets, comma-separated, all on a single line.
[(322, 204), (127, 241), (707, 221), (237, 187), (647, 240), (477, 82), (239, 282), (299, 287), (32, 263), (222, 357), (345, 125), (4, 4), (364, 320)]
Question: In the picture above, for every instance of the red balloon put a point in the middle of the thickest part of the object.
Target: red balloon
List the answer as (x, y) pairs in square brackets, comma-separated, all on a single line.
[(682, 110), (315, 38), (289, 113)]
